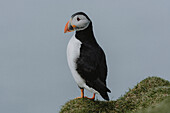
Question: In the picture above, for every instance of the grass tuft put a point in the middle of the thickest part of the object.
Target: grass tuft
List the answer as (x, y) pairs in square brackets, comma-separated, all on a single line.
[(145, 95)]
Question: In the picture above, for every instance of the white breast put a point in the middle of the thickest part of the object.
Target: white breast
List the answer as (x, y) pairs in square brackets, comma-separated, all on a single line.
[(73, 52)]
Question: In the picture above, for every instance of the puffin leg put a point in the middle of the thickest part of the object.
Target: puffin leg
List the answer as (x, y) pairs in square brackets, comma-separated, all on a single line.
[(92, 97), (82, 94)]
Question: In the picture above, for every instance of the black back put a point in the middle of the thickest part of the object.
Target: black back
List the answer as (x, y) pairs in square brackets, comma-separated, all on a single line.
[(91, 64)]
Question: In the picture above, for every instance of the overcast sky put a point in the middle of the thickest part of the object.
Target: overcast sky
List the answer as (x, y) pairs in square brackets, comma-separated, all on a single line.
[(34, 75)]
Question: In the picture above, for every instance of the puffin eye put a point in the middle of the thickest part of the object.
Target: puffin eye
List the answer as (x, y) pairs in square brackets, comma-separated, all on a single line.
[(78, 19)]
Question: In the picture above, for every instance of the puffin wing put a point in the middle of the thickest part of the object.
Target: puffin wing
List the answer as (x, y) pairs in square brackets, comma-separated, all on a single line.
[(91, 65), (90, 62)]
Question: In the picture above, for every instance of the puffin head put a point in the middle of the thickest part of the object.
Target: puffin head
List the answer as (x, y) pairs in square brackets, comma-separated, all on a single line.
[(79, 21)]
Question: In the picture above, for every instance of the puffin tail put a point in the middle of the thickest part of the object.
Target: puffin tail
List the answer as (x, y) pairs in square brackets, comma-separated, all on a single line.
[(104, 93), (99, 86), (105, 96)]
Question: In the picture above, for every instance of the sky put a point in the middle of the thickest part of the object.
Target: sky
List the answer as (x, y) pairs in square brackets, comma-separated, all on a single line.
[(34, 75)]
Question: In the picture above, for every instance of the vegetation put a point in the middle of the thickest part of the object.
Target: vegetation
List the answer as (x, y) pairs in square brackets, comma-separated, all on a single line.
[(162, 107), (146, 96)]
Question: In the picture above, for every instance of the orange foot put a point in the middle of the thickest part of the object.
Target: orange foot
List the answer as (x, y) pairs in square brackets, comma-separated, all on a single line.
[(91, 98), (79, 97), (82, 94)]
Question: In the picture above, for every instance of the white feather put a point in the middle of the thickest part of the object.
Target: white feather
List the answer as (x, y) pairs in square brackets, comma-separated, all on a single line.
[(73, 52)]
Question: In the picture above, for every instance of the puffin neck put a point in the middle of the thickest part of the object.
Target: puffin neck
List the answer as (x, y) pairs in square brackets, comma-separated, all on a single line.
[(86, 35)]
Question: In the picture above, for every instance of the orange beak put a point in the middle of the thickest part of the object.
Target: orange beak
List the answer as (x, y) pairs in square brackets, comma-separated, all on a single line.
[(66, 29), (69, 27)]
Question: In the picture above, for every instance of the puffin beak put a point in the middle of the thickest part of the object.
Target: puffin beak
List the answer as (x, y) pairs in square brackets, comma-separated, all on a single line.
[(69, 27)]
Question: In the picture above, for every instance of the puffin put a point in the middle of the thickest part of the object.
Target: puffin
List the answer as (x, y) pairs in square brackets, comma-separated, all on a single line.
[(86, 59)]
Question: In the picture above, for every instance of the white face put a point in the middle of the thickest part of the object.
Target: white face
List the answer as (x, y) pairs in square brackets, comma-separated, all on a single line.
[(80, 21)]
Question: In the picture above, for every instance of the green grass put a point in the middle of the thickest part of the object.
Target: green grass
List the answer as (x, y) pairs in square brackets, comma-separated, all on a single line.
[(146, 95), (163, 107)]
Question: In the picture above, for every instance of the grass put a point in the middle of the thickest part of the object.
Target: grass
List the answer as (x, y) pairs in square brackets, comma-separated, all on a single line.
[(162, 107), (146, 95)]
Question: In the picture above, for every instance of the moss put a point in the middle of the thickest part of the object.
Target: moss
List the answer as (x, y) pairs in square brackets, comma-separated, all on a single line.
[(162, 107), (148, 92)]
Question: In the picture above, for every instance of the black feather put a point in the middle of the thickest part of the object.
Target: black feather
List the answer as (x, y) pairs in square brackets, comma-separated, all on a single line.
[(91, 64)]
